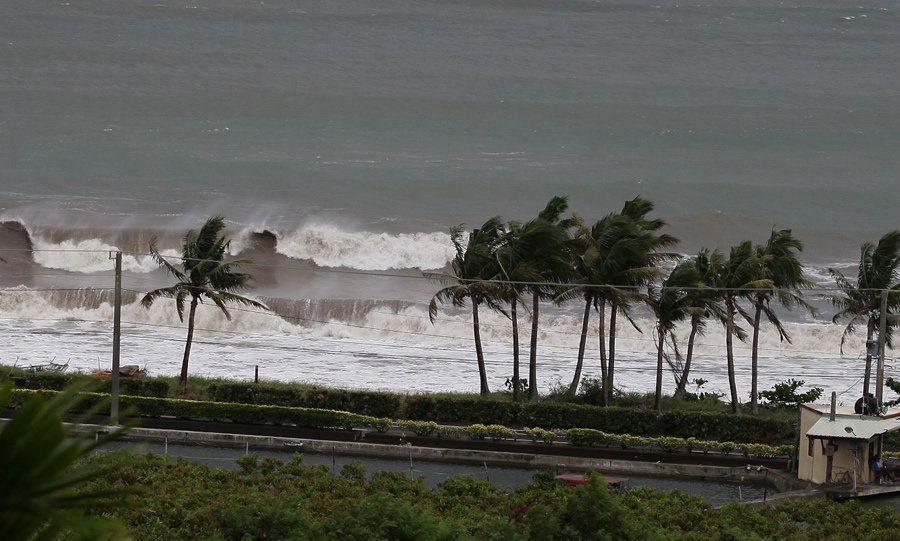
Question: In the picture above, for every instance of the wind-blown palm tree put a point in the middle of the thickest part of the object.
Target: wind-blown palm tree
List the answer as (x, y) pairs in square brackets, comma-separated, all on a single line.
[(602, 253), (860, 301), (705, 303), (671, 303), (550, 256), (734, 277), (204, 274), (472, 267), (515, 271), (779, 263), (636, 273)]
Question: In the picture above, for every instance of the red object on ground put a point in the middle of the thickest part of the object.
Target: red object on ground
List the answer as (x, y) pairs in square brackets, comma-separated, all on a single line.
[(580, 479)]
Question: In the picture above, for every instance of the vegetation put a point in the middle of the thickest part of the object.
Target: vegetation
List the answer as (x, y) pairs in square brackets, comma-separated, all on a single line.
[(860, 300), (44, 492), (204, 274), (617, 264), (471, 267), (269, 499)]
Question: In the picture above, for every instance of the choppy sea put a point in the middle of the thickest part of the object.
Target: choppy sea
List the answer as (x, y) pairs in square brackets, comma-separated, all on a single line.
[(342, 139)]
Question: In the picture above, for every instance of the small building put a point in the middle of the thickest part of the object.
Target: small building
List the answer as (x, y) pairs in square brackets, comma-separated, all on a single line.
[(837, 448)]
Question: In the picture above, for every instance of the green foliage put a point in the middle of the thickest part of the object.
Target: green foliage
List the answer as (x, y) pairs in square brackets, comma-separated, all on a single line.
[(539, 434), (593, 513), (785, 394), (57, 381), (374, 403), (420, 428), (494, 432), (238, 413), (292, 501), (42, 494)]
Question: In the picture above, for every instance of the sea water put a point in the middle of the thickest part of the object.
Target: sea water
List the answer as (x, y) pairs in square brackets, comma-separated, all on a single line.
[(341, 140)]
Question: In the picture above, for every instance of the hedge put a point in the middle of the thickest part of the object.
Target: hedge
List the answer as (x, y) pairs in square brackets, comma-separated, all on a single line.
[(374, 403), (683, 424), (56, 381), (142, 406)]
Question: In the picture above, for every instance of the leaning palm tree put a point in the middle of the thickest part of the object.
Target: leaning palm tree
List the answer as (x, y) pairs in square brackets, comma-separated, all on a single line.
[(549, 253), (636, 273), (860, 301), (204, 274), (778, 262), (601, 256), (734, 278), (473, 268), (514, 272), (671, 303), (705, 304)]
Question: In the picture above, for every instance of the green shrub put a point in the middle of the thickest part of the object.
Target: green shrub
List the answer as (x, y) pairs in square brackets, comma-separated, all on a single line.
[(420, 428), (539, 434)]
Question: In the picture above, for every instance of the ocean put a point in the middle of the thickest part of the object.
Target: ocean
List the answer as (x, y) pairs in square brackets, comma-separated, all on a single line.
[(341, 140)]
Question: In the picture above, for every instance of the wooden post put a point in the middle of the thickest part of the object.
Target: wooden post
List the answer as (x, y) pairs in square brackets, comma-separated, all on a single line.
[(256, 375)]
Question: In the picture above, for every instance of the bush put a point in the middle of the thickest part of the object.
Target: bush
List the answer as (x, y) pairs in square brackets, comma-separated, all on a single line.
[(219, 411), (785, 394), (373, 403)]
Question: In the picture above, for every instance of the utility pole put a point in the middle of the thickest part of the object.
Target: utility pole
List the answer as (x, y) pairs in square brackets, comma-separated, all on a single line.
[(882, 331), (117, 336)]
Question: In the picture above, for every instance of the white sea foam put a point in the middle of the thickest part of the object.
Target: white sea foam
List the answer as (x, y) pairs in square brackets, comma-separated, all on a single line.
[(375, 346), (331, 246), (91, 255)]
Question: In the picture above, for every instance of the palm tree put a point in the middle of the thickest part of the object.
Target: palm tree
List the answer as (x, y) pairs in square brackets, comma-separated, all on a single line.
[(600, 254), (472, 267), (860, 301), (671, 303), (549, 253), (203, 275), (734, 277), (515, 271), (705, 303), (779, 263), (635, 273)]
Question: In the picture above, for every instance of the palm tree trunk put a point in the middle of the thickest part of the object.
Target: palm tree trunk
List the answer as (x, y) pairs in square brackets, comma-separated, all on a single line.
[(576, 379), (729, 350), (532, 361), (611, 365), (601, 332), (870, 334), (754, 359), (514, 315), (482, 373), (182, 381), (682, 383), (657, 402)]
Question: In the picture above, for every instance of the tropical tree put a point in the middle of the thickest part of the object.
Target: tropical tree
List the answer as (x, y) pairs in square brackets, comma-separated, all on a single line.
[(549, 254), (860, 301), (515, 271), (635, 273), (705, 303), (204, 274), (779, 264), (672, 302), (601, 254), (473, 268), (734, 278)]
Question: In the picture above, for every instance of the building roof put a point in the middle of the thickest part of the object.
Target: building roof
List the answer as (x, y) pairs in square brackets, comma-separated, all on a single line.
[(853, 427)]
